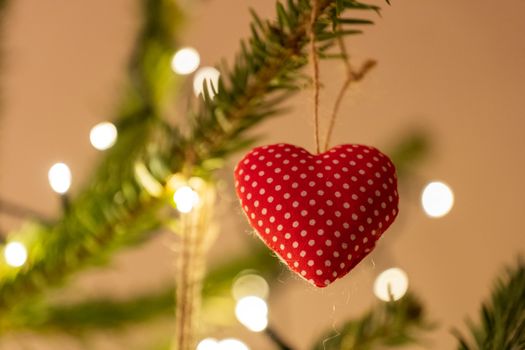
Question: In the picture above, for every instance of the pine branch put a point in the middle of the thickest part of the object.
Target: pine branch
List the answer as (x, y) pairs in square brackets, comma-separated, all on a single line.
[(265, 73), (387, 325), (502, 317), (113, 209), (108, 314)]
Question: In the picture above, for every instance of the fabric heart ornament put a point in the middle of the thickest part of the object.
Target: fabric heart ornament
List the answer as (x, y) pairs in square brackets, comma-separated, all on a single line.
[(321, 214)]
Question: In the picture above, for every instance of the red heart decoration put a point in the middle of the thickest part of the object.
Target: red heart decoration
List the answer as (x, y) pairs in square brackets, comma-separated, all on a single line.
[(321, 214)]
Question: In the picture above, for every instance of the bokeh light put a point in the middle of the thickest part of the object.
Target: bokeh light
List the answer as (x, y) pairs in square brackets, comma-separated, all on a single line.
[(211, 76), (437, 199), (250, 285), (391, 284), (185, 199), (103, 135), (252, 312), (185, 61), (59, 177), (15, 254)]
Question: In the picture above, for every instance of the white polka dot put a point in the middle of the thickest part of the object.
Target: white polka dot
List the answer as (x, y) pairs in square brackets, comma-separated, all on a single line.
[(319, 272), (254, 184), (267, 230), (295, 204), (260, 223), (295, 244), (303, 193), (303, 272), (264, 211), (342, 265), (262, 191), (352, 237), (249, 196), (320, 232), (310, 263), (270, 199), (361, 228), (336, 254), (281, 246), (329, 184), (329, 202), (279, 227), (252, 215), (246, 177), (319, 175), (286, 177), (329, 222), (319, 252), (311, 242), (287, 215), (311, 202), (256, 203), (274, 238), (328, 242), (296, 264), (272, 219), (287, 196), (311, 222), (304, 213), (295, 185), (261, 173), (337, 213), (311, 184), (337, 234), (344, 245), (295, 224), (303, 233), (320, 192), (302, 253), (269, 180), (327, 263), (354, 217), (320, 212), (346, 205), (278, 187), (362, 208)]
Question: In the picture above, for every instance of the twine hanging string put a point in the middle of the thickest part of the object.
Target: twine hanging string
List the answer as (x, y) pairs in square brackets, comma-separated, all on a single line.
[(351, 77), (315, 67)]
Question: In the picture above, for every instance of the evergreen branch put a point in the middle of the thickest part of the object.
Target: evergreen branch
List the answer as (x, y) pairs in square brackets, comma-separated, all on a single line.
[(113, 209), (265, 72), (387, 325), (502, 317), (115, 314)]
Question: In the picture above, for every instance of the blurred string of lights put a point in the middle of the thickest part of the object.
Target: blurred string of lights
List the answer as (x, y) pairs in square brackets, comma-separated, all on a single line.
[(250, 291)]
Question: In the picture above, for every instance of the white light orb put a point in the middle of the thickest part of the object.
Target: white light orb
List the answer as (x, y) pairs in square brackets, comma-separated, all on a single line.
[(103, 135), (232, 344), (211, 76), (391, 284), (208, 344), (185, 199), (252, 312), (59, 177), (185, 61), (437, 199), (250, 284), (15, 254)]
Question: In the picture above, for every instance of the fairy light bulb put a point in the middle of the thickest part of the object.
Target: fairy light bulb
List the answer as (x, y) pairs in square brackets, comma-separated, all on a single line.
[(208, 344), (185, 61), (211, 76), (103, 135), (437, 199), (232, 344), (59, 177), (252, 312), (185, 199), (15, 254), (391, 284), (250, 285)]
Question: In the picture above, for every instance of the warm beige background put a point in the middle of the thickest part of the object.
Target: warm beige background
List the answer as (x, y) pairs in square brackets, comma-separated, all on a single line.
[(455, 68)]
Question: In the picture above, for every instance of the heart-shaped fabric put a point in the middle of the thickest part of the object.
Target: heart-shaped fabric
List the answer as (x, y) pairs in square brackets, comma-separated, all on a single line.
[(321, 214)]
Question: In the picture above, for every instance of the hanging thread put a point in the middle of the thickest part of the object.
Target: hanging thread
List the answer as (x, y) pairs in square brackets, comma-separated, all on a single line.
[(315, 67), (351, 76)]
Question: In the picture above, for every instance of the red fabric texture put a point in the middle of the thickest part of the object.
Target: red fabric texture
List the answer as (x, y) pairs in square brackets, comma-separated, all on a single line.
[(321, 214)]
